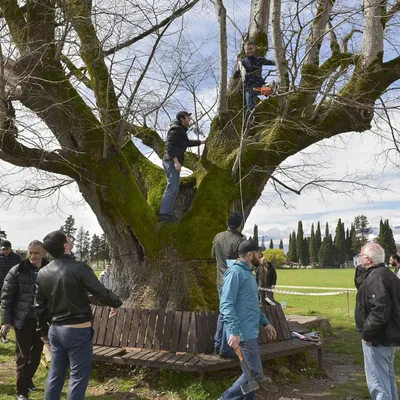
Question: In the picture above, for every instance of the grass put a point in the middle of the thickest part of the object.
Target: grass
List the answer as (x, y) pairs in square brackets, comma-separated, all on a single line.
[(114, 382)]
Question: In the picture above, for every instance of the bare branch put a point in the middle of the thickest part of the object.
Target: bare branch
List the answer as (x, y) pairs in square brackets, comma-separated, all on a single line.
[(393, 11), (77, 72)]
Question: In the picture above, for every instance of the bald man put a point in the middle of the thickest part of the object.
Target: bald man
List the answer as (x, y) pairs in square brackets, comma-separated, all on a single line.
[(378, 321)]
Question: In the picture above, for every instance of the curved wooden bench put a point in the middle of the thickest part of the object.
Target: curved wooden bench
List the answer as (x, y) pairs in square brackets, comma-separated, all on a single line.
[(180, 340)]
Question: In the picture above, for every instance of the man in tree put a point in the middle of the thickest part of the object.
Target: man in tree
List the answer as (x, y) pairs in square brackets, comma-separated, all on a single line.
[(174, 155), (17, 309), (252, 67), (395, 262), (62, 300), (7, 260), (243, 316), (225, 247), (378, 321)]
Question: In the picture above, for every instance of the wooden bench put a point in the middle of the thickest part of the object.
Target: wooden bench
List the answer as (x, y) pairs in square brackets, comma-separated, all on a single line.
[(180, 340)]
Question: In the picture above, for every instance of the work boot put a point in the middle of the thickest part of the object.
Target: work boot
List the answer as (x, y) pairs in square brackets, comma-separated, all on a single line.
[(167, 218), (216, 350)]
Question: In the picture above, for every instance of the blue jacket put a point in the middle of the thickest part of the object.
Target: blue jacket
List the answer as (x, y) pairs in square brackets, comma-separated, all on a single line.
[(239, 302)]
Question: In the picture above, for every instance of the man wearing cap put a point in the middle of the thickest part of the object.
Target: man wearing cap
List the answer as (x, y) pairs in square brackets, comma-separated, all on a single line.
[(243, 316), (174, 155), (225, 247), (7, 260)]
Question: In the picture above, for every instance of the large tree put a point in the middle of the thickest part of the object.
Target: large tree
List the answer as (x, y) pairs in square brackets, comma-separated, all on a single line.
[(73, 65)]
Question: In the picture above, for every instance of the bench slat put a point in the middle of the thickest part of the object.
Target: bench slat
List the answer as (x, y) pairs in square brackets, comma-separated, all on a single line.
[(97, 311), (143, 328), (176, 329), (110, 329), (200, 326), (159, 329), (134, 327), (127, 327), (211, 331), (183, 338), (192, 335), (119, 323), (150, 329), (102, 327), (167, 331)]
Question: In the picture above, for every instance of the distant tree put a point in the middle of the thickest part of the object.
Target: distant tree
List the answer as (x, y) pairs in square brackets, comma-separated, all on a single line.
[(80, 243), (300, 243), (250, 238), (306, 251), (318, 237), (271, 244), (105, 250), (362, 228), (292, 254), (86, 247), (69, 227), (255, 233), (275, 256), (95, 249), (340, 243), (281, 244), (313, 250), (325, 253), (386, 239), (262, 244), (354, 243)]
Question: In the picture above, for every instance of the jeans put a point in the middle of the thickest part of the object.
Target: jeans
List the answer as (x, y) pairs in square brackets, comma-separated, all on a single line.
[(29, 348), (251, 97), (172, 189), (251, 354), (73, 347), (220, 339), (379, 371)]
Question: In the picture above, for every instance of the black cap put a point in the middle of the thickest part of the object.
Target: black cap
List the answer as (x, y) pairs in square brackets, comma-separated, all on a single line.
[(6, 244), (182, 114), (234, 220), (247, 246)]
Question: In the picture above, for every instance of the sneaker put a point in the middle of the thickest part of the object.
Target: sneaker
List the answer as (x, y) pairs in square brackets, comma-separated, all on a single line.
[(22, 397), (32, 388), (216, 350)]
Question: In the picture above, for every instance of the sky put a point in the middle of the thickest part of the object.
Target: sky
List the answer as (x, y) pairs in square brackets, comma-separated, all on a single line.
[(351, 154)]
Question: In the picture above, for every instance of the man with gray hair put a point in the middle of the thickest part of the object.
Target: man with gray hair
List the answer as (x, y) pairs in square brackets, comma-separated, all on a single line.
[(377, 317)]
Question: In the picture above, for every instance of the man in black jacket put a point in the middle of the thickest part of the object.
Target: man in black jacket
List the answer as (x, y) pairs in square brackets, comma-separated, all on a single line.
[(174, 155), (377, 317), (251, 68), (266, 278), (225, 247), (7, 260), (62, 300), (17, 309)]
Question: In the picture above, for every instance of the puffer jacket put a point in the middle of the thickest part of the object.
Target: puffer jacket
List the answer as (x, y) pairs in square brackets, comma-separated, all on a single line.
[(377, 311), (6, 263), (177, 142), (225, 247), (17, 296)]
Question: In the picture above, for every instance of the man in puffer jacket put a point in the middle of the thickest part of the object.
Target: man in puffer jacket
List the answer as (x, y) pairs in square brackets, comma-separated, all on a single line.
[(7, 260), (17, 302), (377, 317)]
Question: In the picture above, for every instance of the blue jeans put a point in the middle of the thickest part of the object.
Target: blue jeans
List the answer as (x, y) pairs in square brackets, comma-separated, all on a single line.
[(71, 347), (220, 339), (251, 353), (172, 189), (251, 97), (379, 371)]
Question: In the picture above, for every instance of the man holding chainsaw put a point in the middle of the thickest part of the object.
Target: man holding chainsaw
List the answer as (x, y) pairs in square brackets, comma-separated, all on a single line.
[(240, 307), (250, 68)]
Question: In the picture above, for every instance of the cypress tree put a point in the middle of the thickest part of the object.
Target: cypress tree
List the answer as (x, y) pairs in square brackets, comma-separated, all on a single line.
[(386, 239), (313, 252), (281, 245), (255, 233), (292, 254), (306, 251), (271, 244), (340, 243), (318, 237), (299, 243)]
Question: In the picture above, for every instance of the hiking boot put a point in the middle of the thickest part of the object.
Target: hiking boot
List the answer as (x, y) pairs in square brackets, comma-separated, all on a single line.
[(167, 218), (228, 354), (216, 350)]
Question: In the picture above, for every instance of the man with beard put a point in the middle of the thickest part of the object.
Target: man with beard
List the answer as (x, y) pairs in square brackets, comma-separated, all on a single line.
[(378, 321), (395, 262), (242, 315)]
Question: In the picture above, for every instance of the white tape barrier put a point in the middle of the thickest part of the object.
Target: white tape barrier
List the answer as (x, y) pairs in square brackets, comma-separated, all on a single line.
[(304, 294), (318, 288)]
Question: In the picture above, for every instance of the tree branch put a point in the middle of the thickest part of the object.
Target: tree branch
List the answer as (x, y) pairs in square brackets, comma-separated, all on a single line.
[(176, 14), (258, 25), (394, 10), (77, 72)]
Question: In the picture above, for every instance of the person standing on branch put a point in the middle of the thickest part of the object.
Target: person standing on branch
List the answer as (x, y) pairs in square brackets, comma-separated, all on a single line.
[(62, 299), (243, 316), (17, 309), (251, 68), (174, 156), (377, 318), (7, 260)]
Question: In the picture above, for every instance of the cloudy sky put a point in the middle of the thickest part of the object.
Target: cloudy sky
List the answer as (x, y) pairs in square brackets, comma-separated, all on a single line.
[(350, 155)]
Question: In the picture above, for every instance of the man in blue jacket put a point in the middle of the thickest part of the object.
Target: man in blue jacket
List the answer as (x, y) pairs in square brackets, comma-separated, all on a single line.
[(242, 315)]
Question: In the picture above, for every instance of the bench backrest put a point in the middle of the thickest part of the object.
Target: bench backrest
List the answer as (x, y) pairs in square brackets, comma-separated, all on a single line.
[(174, 331)]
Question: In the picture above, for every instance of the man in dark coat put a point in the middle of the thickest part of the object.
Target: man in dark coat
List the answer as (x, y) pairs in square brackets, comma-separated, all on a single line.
[(225, 247), (266, 278), (7, 260), (251, 67), (17, 309), (377, 317), (174, 156)]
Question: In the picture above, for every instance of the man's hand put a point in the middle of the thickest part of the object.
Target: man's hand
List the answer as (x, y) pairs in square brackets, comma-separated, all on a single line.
[(271, 332), (234, 341), (203, 141), (45, 339), (5, 329), (178, 166)]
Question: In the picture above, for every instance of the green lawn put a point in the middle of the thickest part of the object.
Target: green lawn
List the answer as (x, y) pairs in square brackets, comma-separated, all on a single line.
[(114, 382)]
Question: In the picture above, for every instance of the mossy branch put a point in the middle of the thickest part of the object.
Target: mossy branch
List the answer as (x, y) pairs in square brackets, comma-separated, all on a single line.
[(77, 72)]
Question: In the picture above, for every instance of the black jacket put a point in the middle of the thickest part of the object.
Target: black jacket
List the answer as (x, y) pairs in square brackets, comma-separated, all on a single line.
[(62, 293), (17, 296), (253, 66), (360, 270), (266, 277), (6, 263), (177, 142), (225, 247), (377, 311)]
